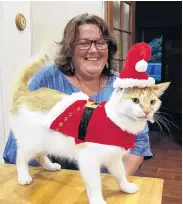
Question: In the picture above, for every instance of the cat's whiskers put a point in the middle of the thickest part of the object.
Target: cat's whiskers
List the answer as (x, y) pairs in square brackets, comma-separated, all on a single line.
[(170, 122), (162, 120), (157, 121), (164, 108), (160, 112)]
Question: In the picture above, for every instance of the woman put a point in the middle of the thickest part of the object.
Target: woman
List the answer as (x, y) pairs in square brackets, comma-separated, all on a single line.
[(85, 64)]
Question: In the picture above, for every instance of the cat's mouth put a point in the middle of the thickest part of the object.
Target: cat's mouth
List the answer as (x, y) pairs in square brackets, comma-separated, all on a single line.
[(142, 118), (130, 117), (146, 118), (139, 118)]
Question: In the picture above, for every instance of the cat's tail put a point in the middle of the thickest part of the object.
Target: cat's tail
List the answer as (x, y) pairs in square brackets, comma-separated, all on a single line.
[(27, 71)]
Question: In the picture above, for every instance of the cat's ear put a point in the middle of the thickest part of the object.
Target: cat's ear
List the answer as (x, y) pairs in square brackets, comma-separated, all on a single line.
[(160, 88)]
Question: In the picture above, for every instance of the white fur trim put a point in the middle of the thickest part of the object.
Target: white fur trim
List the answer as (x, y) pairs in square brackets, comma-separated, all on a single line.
[(129, 83), (141, 66), (61, 106)]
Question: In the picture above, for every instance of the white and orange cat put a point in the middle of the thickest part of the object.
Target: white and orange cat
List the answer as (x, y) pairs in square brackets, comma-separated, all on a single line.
[(32, 113)]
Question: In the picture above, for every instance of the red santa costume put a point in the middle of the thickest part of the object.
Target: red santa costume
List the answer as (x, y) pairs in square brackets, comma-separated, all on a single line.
[(87, 121)]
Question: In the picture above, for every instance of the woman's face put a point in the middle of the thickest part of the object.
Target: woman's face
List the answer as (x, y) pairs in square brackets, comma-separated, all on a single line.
[(89, 62)]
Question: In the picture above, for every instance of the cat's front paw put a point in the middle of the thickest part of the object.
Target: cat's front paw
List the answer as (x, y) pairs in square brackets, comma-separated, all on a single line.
[(129, 187), (54, 167), (24, 179), (97, 201), (102, 202)]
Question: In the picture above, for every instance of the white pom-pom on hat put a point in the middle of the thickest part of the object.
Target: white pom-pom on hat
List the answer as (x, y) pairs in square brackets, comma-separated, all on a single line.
[(141, 66)]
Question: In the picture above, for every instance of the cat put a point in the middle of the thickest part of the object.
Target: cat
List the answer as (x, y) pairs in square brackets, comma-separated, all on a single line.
[(32, 114)]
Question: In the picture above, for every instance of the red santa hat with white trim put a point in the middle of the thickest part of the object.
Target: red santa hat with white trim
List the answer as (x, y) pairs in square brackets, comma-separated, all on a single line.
[(134, 72)]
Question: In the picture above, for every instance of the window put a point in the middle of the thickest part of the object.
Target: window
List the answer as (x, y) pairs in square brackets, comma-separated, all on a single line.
[(120, 17), (154, 37)]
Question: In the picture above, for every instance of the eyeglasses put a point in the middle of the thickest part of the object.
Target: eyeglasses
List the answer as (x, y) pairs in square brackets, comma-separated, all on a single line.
[(85, 44)]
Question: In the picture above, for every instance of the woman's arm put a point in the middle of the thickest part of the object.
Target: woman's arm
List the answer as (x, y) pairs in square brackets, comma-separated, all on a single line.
[(132, 163), (134, 158)]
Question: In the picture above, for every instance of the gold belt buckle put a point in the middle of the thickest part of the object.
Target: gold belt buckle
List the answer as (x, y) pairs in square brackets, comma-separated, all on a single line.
[(91, 104)]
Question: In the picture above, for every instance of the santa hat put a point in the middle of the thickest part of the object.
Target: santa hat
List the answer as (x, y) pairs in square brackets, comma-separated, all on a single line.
[(134, 72)]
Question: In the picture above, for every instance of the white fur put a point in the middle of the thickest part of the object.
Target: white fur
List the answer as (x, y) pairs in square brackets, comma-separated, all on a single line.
[(130, 82), (60, 107), (36, 140), (141, 66)]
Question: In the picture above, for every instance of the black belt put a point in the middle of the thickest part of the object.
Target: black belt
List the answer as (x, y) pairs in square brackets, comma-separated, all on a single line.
[(88, 111)]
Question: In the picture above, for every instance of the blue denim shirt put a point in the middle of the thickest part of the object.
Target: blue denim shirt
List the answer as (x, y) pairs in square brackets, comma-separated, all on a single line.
[(53, 78)]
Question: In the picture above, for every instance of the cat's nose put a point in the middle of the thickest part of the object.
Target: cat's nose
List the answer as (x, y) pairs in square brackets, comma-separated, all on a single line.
[(146, 112)]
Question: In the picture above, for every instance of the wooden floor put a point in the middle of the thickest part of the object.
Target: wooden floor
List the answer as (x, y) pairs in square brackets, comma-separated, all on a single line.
[(166, 164)]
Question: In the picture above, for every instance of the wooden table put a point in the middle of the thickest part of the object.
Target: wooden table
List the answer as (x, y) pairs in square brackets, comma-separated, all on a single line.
[(67, 187)]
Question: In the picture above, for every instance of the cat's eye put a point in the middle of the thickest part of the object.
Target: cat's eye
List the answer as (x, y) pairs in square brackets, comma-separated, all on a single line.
[(119, 89), (153, 102), (135, 100)]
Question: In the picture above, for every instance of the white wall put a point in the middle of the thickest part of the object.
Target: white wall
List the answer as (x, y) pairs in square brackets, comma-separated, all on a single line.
[(45, 22), (50, 18), (2, 132), (15, 48)]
